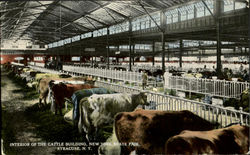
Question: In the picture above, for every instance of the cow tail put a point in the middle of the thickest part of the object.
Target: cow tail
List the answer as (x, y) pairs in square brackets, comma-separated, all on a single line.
[(38, 86), (80, 118)]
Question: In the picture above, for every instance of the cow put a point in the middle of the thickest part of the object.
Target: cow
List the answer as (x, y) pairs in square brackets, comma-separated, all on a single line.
[(68, 117), (43, 85), (99, 110), (62, 90), (111, 146), (151, 128), (78, 95), (229, 140)]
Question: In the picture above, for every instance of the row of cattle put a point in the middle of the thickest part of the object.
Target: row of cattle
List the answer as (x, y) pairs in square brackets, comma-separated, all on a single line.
[(153, 132), (142, 131), (173, 132)]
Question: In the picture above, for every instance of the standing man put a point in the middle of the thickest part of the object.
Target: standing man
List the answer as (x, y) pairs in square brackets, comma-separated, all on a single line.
[(144, 79)]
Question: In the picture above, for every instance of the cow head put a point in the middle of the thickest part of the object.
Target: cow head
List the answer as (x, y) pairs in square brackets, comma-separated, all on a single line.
[(90, 80), (55, 86), (141, 98)]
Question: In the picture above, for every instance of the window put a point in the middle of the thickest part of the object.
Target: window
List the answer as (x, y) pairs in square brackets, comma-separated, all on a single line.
[(183, 13), (143, 24), (95, 33), (50, 45), (54, 44), (210, 4), (175, 15), (228, 5), (190, 11), (19, 58), (38, 58), (169, 19), (86, 35), (117, 28), (240, 5), (200, 9), (67, 41), (136, 24), (75, 58), (60, 43), (76, 38), (156, 18)]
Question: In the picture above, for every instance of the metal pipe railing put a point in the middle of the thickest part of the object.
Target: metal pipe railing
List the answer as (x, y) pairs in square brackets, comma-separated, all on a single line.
[(126, 76), (209, 112), (213, 87)]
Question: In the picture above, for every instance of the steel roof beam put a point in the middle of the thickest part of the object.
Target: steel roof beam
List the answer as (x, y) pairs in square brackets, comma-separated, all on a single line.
[(19, 8), (68, 8), (97, 21), (48, 5), (117, 13), (20, 16), (69, 22), (80, 16)]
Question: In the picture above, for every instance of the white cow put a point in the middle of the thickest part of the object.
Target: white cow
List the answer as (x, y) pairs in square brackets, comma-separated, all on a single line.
[(99, 110)]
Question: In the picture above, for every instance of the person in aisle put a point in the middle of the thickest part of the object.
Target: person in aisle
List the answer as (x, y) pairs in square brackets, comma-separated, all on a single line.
[(144, 79), (241, 68), (245, 75)]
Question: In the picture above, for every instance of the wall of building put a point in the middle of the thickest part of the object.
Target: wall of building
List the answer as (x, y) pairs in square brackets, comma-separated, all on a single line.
[(12, 58)]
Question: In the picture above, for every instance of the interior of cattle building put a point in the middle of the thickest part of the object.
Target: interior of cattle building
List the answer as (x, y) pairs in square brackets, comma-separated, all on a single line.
[(125, 77)]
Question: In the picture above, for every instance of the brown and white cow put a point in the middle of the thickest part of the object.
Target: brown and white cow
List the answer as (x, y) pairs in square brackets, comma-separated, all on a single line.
[(43, 86), (150, 129), (230, 140), (62, 90)]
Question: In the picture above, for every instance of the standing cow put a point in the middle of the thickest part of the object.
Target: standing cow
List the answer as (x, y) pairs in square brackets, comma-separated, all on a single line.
[(62, 90), (43, 86), (230, 140), (78, 95), (99, 110), (150, 129)]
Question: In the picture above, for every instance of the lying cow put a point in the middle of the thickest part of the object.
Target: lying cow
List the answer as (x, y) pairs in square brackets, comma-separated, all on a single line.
[(230, 140), (62, 90), (99, 110), (151, 128)]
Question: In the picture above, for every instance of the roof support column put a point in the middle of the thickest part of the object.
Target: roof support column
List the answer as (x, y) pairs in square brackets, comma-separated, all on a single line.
[(153, 50), (117, 58), (133, 60), (130, 51), (168, 54), (163, 51), (180, 53), (130, 44), (218, 9), (107, 48), (163, 25)]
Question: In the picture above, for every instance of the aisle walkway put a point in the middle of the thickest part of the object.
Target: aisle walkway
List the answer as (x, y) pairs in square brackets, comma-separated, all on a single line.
[(15, 127)]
